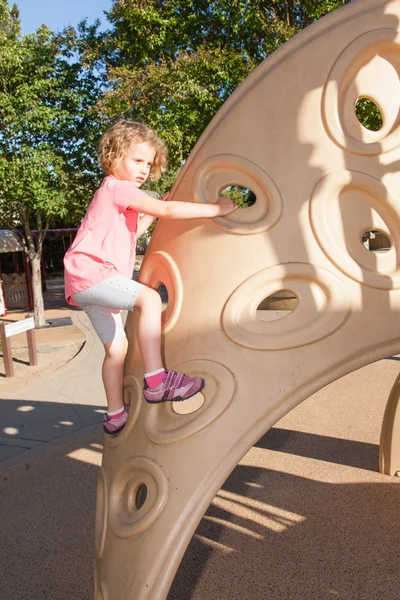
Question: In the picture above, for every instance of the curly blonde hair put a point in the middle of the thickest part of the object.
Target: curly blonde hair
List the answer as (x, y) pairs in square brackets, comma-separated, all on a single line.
[(115, 142)]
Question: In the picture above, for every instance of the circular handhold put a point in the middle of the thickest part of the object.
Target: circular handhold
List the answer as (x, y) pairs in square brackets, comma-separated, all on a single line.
[(367, 68), (165, 426), (323, 306), (128, 518), (223, 170), (343, 206), (159, 268)]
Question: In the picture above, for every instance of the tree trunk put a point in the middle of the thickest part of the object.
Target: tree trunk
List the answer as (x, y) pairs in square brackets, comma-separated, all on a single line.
[(38, 305)]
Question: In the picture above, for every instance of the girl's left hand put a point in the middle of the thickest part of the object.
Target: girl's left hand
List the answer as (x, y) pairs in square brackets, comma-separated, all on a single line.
[(165, 197)]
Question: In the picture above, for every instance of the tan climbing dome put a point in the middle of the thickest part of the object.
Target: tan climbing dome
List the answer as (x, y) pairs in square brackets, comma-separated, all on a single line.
[(324, 232)]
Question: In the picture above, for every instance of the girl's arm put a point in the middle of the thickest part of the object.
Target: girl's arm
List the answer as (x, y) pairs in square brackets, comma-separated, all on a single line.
[(182, 210), (143, 224), (146, 220)]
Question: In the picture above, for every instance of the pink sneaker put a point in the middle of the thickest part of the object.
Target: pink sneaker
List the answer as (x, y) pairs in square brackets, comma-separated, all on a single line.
[(114, 426), (174, 387)]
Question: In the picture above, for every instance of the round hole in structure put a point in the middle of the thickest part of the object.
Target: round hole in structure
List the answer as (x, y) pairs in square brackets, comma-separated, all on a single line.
[(187, 407), (277, 306), (162, 290), (376, 241), (369, 114), (140, 496), (241, 196)]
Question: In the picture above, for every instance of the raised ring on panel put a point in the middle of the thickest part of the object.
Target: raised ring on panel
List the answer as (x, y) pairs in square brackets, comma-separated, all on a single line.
[(164, 426), (366, 68), (132, 398), (101, 513), (223, 170), (129, 517), (338, 228), (323, 306), (159, 268)]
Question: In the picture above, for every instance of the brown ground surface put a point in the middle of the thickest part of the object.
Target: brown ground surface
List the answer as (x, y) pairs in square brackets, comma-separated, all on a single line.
[(50, 358), (56, 345)]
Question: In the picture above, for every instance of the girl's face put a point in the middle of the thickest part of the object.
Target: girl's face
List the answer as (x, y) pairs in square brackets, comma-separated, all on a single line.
[(136, 164)]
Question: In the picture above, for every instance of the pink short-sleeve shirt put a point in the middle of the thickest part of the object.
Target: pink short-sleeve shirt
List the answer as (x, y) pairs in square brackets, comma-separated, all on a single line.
[(105, 244)]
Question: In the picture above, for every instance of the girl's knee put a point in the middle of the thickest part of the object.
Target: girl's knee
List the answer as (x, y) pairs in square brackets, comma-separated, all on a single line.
[(148, 298), (117, 348)]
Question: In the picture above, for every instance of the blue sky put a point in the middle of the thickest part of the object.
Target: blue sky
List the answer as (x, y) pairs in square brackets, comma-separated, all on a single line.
[(57, 14)]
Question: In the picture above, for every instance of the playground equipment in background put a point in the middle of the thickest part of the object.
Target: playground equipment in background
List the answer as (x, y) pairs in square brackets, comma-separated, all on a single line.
[(324, 185), (16, 286)]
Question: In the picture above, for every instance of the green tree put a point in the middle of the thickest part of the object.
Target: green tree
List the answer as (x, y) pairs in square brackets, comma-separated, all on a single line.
[(46, 121), (241, 196), (9, 20), (369, 115), (172, 64)]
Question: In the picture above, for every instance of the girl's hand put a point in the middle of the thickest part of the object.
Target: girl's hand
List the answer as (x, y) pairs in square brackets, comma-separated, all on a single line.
[(226, 205), (165, 197)]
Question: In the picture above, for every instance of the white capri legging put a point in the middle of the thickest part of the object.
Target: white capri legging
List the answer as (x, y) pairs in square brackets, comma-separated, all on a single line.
[(103, 303)]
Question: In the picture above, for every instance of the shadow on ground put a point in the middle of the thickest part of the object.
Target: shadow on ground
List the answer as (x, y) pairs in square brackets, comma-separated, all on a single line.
[(25, 424), (276, 535), (268, 534), (47, 519)]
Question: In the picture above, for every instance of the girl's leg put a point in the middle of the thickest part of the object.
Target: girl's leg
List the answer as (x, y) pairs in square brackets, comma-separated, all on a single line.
[(108, 325), (148, 303), (171, 385), (119, 293), (113, 372), (101, 302)]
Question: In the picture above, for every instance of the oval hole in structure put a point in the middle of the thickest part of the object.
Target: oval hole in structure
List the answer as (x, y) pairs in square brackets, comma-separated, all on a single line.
[(376, 241), (187, 407), (369, 114), (140, 496), (162, 290), (243, 197), (277, 306)]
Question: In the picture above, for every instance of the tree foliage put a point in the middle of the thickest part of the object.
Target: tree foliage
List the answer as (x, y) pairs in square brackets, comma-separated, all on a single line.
[(9, 20), (241, 196), (46, 119), (369, 115), (173, 64)]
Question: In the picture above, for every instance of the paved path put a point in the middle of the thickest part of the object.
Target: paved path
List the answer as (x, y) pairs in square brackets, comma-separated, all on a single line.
[(67, 401)]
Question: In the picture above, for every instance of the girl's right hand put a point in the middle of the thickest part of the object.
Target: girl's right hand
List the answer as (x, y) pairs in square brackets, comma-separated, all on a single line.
[(226, 205)]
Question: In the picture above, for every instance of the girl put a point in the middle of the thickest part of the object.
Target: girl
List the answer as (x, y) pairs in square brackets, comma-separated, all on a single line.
[(100, 262)]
